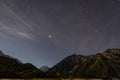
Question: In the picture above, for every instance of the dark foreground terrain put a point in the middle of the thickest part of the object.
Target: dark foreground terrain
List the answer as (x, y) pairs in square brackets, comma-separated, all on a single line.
[(59, 79), (52, 79)]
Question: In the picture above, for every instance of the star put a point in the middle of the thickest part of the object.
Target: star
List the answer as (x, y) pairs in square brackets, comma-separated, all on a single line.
[(50, 36)]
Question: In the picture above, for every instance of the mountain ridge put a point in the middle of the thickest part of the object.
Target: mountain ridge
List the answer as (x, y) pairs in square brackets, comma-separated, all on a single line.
[(105, 65), (100, 65), (13, 68)]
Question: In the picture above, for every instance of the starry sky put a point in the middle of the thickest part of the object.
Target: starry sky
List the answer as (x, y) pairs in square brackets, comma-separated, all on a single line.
[(43, 32)]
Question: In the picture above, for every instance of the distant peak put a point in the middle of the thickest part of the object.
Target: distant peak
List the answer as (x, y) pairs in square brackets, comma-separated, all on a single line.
[(44, 68)]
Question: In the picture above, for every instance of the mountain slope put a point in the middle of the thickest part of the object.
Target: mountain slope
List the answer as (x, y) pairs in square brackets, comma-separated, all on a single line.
[(68, 63), (100, 65), (13, 68)]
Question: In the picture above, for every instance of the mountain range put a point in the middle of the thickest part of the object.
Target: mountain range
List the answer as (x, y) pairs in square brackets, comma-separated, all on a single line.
[(99, 65)]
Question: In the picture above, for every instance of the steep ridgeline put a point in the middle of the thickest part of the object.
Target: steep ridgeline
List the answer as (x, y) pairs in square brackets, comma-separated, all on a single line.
[(100, 65), (13, 68)]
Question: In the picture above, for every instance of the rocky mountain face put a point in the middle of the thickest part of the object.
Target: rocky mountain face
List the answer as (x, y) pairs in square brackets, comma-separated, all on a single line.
[(100, 65)]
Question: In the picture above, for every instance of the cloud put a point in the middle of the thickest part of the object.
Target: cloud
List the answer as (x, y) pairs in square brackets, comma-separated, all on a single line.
[(13, 25), (13, 15), (24, 35), (7, 31)]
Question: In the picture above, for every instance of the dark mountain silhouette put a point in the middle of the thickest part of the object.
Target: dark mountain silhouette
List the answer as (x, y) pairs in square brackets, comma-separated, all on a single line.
[(13, 68), (100, 65)]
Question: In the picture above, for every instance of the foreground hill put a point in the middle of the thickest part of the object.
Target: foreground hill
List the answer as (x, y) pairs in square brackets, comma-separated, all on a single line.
[(13, 68), (100, 65)]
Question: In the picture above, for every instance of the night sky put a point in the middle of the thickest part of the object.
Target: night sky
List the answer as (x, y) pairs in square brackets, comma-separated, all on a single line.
[(43, 32)]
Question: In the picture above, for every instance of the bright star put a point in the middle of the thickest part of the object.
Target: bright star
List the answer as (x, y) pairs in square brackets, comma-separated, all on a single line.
[(50, 36)]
